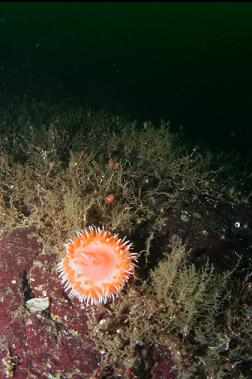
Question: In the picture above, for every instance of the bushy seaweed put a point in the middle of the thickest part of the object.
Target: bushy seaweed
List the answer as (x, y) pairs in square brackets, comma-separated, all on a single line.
[(181, 307)]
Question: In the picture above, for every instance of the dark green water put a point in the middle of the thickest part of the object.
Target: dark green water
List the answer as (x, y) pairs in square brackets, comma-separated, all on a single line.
[(185, 62)]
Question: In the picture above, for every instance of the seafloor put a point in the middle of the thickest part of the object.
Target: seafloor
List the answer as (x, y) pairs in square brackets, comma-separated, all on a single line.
[(187, 313)]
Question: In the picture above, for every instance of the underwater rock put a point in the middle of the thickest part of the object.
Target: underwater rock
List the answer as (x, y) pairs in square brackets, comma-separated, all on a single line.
[(50, 338), (163, 364), (221, 231), (42, 344)]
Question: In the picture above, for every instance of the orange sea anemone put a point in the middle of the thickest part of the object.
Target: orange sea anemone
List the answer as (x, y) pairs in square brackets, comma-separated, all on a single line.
[(96, 266)]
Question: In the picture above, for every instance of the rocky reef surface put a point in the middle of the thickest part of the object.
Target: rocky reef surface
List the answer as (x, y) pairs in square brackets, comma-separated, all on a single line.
[(187, 312), (44, 334), (39, 341)]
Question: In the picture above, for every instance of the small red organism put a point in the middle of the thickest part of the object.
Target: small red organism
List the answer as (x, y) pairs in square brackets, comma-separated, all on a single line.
[(110, 199)]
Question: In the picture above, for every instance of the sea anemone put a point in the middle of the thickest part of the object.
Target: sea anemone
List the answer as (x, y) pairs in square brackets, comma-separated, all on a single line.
[(96, 266)]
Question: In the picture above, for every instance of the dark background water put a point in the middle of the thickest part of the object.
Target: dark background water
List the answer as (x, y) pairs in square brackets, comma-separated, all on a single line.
[(190, 63)]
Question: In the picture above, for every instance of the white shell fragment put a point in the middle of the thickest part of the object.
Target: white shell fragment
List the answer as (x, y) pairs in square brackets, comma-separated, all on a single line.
[(37, 304)]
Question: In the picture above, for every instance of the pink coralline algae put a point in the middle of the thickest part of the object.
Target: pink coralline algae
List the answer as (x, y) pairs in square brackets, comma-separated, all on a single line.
[(163, 365), (44, 333), (50, 343)]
